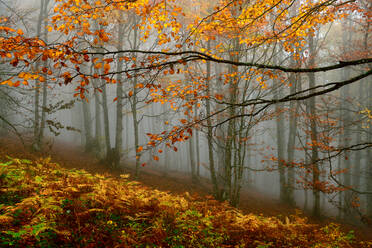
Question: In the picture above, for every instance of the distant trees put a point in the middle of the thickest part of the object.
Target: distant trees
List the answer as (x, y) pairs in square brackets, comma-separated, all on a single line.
[(241, 65)]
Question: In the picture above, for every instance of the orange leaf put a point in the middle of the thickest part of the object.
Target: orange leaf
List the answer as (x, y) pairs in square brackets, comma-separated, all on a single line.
[(106, 67), (219, 97), (156, 158), (139, 149)]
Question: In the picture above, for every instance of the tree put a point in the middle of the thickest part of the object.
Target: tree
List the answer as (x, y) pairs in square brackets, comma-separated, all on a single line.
[(248, 33)]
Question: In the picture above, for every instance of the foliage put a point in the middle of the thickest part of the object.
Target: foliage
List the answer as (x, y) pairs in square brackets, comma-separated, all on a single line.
[(45, 205)]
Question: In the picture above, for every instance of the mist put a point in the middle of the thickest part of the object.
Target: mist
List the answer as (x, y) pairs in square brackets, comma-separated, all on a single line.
[(263, 122)]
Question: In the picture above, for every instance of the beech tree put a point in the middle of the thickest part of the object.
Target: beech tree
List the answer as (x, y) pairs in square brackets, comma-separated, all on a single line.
[(239, 39)]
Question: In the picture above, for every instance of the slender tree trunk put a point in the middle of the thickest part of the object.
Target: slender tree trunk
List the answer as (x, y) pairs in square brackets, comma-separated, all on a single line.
[(197, 149), (291, 145), (192, 160), (210, 133), (134, 102), (358, 154), (280, 141), (87, 126), (345, 93), (368, 164), (368, 161), (306, 150), (292, 134), (135, 125), (98, 125), (36, 142), (232, 133), (314, 132), (119, 100), (106, 125), (45, 83), (280, 148), (167, 157), (228, 165)]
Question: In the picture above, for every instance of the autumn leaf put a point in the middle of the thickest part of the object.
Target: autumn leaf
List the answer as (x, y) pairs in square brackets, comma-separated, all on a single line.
[(219, 97), (106, 68), (139, 149)]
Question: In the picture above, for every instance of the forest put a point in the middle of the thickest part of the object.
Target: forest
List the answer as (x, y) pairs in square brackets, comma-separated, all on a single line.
[(189, 123)]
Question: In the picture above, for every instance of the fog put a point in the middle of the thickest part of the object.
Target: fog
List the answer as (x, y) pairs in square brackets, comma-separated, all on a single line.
[(313, 153)]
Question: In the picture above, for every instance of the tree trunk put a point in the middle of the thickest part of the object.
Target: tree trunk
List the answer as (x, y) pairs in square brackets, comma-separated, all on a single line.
[(283, 195), (134, 102), (314, 132), (368, 164), (87, 126), (36, 141), (119, 100), (345, 117), (210, 133), (45, 83), (291, 145)]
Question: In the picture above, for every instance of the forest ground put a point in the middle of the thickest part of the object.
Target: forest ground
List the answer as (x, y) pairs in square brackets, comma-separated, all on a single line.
[(71, 156)]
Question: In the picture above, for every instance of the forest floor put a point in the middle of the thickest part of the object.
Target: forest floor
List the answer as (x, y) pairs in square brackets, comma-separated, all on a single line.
[(70, 156)]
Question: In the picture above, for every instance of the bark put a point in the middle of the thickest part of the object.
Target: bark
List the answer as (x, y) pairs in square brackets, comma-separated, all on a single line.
[(192, 160), (346, 122), (87, 118), (280, 141), (280, 148), (98, 125), (368, 161), (36, 141), (368, 164), (45, 84), (358, 154), (294, 107), (313, 133), (119, 101), (230, 169), (212, 168), (134, 102), (196, 137), (293, 110), (191, 145), (106, 125)]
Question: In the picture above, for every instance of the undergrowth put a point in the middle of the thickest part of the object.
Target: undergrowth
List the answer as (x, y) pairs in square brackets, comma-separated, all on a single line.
[(45, 205)]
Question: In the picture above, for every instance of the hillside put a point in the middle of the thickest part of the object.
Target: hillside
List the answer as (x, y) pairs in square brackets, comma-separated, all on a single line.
[(45, 205)]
